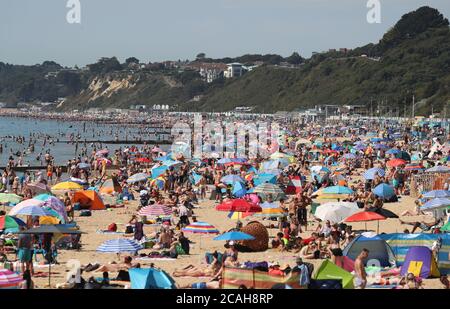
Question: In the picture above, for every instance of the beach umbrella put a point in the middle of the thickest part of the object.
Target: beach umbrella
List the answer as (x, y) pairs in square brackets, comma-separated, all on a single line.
[(393, 151), (67, 185), (155, 210), (235, 236), (38, 187), (268, 188), (403, 155), (158, 182), (365, 216), (437, 193), (158, 171), (336, 212), (224, 160), (138, 177), (200, 228), (238, 205), (9, 222), (52, 229), (337, 190), (143, 160), (349, 156), (371, 173), (270, 210), (102, 152), (43, 197), (28, 211), (384, 191), (9, 198), (238, 215), (229, 179), (319, 169), (263, 178), (156, 150), (439, 169), (55, 204), (380, 146), (9, 278), (437, 203), (119, 245), (396, 162), (84, 166), (239, 189), (414, 167)]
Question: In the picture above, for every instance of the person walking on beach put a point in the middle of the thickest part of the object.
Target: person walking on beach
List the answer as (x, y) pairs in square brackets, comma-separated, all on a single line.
[(360, 271)]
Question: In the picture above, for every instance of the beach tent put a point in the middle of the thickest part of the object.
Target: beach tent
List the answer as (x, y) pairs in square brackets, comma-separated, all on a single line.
[(330, 271), (420, 261), (379, 251), (150, 278), (400, 244), (89, 197), (108, 187)]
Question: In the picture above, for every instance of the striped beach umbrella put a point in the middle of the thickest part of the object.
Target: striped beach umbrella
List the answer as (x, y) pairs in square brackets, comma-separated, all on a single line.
[(437, 203), (9, 198), (371, 173), (439, 169), (437, 193), (138, 177), (158, 182), (119, 245), (200, 228), (9, 222), (238, 215), (270, 210), (155, 211), (268, 188), (9, 278)]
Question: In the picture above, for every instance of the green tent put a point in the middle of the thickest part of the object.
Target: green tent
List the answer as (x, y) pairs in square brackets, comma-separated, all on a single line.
[(328, 271), (446, 227)]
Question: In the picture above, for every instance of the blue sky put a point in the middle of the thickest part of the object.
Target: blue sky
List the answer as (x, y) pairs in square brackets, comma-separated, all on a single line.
[(154, 30)]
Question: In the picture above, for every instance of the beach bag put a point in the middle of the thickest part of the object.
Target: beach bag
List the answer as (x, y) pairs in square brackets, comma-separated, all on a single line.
[(85, 213), (112, 227), (331, 284), (209, 257), (262, 266), (129, 229)]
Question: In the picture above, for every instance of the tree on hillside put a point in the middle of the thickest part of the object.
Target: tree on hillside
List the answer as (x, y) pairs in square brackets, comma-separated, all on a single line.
[(295, 58), (105, 65), (200, 56), (132, 60)]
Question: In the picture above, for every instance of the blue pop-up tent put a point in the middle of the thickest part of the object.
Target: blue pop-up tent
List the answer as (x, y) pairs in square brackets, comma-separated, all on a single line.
[(150, 278)]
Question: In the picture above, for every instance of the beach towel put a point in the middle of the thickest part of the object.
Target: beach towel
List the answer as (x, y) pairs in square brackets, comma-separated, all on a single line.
[(109, 232)]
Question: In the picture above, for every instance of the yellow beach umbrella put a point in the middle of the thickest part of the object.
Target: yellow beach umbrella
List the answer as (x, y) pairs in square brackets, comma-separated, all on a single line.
[(67, 185)]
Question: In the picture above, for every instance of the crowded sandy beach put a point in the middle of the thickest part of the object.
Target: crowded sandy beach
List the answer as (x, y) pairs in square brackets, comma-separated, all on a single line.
[(348, 203)]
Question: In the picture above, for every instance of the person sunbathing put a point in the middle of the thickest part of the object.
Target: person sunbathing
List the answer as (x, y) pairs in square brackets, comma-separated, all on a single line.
[(424, 226), (115, 267), (194, 271), (310, 251)]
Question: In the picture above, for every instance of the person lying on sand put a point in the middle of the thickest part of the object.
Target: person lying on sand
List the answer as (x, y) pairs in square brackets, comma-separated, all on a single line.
[(424, 226), (193, 271), (115, 267)]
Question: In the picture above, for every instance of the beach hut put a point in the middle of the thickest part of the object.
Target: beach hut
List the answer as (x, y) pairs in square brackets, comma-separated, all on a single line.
[(420, 261), (89, 198), (379, 251)]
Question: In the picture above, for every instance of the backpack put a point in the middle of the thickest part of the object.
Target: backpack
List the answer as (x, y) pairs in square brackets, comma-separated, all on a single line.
[(85, 213), (112, 227)]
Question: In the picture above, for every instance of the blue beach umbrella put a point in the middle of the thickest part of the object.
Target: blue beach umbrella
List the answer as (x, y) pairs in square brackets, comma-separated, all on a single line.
[(234, 236), (384, 191), (229, 179)]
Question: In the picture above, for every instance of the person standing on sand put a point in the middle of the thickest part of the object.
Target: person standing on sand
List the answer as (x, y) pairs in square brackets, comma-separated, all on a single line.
[(360, 272)]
